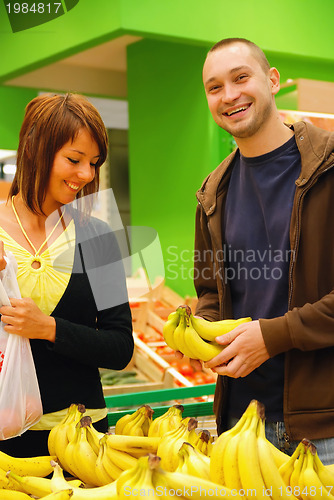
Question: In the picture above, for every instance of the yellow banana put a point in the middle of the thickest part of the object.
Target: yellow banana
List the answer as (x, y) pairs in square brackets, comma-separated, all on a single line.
[(170, 444), (193, 462), (101, 473), (169, 329), (230, 462), (93, 437), (218, 451), (209, 330), (324, 473), (32, 485), (297, 470), (66, 433), (311, 483), (179, 334), (171, 419), (83, 455), (58, 483), (30, 466), (195, 489), (287, 468), (248, 458), (59, 495), (140, 424), (5, 483), (122, 421), (53, 434), (274, 482), (204, 443), (15, 495), (134, 445), (110, 465), (70, 427), (140, 481), (200, 349), (135, 424), (279, 456), (121, 458)]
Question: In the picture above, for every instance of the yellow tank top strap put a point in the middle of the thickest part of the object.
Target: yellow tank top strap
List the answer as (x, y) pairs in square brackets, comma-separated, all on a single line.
[(49, 420)]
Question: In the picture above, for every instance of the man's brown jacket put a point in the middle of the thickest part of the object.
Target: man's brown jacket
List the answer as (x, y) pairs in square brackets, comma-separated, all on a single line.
[(306, 332)]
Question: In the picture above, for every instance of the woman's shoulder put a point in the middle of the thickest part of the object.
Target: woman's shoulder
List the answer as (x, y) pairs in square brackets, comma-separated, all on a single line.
[(6, 215)]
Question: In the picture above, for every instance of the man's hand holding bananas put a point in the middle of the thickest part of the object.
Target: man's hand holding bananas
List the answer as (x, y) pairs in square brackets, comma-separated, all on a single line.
[(229, 347), (245, 350)]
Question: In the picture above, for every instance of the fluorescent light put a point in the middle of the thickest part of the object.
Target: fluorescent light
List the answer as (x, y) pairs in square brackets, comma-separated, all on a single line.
[(7, 153)]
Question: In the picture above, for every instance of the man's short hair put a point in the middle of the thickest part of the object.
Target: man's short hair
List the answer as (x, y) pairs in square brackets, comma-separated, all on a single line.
[(255, 49)]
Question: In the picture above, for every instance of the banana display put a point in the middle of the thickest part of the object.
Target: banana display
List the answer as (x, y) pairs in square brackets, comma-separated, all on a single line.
[(135, 424), (194, 336), (175, 460)]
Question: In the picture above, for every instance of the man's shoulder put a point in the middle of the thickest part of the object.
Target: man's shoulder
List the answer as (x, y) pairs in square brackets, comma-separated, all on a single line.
[(313, 131), (216, 175)]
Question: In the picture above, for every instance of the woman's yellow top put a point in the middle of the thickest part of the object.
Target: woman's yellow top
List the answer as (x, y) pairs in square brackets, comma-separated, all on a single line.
[(46, 284)]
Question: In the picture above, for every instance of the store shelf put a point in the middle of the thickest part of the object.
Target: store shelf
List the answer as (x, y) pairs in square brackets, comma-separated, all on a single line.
[(121, 404)]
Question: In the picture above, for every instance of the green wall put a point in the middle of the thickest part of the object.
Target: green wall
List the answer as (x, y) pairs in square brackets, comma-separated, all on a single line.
[(171, 139), (298, 27), (12, 104)]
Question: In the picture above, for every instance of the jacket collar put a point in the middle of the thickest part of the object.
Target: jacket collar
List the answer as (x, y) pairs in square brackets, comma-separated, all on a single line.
[(315, 146)]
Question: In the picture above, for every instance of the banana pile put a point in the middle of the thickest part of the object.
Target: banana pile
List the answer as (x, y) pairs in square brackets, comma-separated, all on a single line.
[(243, 459), (96, 458), (195, 336), (149, 479), (305, 474), (173, 459)]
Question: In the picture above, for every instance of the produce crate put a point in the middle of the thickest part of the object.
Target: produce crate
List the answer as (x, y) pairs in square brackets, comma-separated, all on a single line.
[(155, 372), (197, 402)]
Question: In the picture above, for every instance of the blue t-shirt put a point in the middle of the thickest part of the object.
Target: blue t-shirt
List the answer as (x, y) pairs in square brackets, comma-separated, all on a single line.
[(257, 255)]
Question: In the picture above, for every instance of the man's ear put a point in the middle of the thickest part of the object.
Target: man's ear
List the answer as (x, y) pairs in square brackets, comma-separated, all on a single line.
[(274, 80)]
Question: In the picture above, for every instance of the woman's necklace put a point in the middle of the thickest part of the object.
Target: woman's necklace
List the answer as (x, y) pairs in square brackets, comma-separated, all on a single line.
[(37, 259)]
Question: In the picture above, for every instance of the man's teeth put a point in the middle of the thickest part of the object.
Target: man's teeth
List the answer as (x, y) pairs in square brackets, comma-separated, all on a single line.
[(229, 113), (72, 186)]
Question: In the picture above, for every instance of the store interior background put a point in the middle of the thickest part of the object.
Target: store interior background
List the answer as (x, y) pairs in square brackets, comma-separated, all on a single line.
[(140, 63)]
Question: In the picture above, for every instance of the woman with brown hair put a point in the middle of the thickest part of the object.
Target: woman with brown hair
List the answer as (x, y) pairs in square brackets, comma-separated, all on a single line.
[(74, 306)]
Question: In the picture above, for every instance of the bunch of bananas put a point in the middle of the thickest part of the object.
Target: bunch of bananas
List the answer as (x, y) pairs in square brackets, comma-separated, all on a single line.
[(168, 421), (243, 459), (39, 487), (203, 441), (37, 466), (96, 458), (61, 434), (172, 441), (194, 336), (148, 479), (193, 462), (305, 475), (136, 423)]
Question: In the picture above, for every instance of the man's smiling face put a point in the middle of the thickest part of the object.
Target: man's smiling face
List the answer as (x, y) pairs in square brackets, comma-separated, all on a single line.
[(240, 92)]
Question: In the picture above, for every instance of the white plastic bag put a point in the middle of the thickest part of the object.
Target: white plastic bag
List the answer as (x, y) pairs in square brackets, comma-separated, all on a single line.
[(20, 400)]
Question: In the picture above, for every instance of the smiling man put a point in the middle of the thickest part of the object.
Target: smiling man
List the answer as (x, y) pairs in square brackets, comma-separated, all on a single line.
[(268, 209)]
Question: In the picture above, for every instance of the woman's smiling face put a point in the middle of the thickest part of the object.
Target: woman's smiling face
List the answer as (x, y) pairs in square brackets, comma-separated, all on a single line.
[(73, 167)]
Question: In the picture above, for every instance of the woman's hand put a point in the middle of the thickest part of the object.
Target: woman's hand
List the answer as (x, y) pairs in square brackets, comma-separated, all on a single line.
[(24, 318)]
